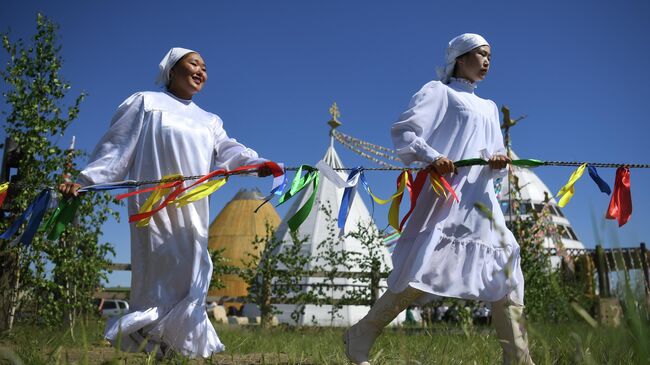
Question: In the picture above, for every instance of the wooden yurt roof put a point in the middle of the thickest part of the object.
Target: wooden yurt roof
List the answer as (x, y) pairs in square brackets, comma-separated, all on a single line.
[(235, 229)]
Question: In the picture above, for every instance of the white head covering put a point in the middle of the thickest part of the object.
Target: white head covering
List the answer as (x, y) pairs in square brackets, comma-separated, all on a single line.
[(458, 47), (168, 62)]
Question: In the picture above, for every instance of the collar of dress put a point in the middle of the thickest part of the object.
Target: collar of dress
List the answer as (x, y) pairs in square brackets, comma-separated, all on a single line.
[(184, 101), (463, 84)]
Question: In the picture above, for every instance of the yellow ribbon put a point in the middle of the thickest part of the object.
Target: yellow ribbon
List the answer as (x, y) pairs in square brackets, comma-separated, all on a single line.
[(393, 212), (568, 190), (4, 187), (200, 192), (437, 186), (400, 190), (155, 197)]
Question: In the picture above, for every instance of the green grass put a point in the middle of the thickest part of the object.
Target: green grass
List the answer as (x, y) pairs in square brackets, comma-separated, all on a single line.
[(573, 343)]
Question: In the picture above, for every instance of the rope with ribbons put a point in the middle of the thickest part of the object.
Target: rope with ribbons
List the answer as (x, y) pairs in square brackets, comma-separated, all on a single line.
[(170, 191)]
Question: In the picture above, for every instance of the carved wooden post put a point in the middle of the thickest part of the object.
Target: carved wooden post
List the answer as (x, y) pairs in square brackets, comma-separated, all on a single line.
[(603, 275), (644, 263)]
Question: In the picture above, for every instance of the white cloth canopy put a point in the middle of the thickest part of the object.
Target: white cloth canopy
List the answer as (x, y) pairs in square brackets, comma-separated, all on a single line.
[(166, 64), (451, 249), (154, 134), (458, 47)]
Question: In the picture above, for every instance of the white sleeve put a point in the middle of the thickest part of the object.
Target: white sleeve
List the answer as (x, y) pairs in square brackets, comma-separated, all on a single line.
[(495, 143), (230, 154), (426, 111), (113, 156)]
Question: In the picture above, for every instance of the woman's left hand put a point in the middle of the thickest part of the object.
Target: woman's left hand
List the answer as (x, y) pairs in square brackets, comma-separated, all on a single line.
[(499, 162), (264, 171)]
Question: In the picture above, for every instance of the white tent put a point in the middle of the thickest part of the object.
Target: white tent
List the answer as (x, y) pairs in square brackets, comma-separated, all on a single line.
[(533, 195), (315, 227)]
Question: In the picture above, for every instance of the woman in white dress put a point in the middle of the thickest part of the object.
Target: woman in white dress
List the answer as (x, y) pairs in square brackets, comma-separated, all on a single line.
[(154, 134), (449, 248)]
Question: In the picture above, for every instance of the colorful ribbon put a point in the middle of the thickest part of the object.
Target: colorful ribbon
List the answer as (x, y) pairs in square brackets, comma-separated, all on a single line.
[(441, 186), (146, 212), (4, 189), (300, 182), (158, 194), (602, 185), (200, 192), (403, 180), (620, 205), (62, 217), (415, 189), (567, 191), (35, 212), (277, 189), (480, 161), (348, 196)]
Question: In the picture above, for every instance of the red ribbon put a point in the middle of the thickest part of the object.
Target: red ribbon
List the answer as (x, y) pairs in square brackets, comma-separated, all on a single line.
[(274, 167), (620, 206), (414, 188), (434, 175), (3, 195)]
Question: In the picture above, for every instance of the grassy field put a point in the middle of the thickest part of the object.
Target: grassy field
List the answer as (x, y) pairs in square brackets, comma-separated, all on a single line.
[(575, 343)]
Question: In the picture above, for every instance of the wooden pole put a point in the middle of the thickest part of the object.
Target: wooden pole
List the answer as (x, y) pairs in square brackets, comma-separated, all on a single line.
[(601, 268), (644, 263)]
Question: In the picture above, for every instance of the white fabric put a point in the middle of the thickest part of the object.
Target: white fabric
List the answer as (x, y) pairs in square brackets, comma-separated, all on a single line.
[(448, 248), (155, 134), (458, 47), (335, 178), (171, 57)]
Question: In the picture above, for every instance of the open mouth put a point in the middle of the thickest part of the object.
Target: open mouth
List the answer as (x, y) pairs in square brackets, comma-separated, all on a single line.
[(197, 79)]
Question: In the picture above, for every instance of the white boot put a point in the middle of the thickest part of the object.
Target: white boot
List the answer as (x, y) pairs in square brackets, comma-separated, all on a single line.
[(509, 322), (359, 338)]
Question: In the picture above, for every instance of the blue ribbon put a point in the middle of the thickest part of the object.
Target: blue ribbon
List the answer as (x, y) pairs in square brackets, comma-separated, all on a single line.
[(348, 197), (602, 185), (35, 211), (127, 184), (277, 191), (362, 178)]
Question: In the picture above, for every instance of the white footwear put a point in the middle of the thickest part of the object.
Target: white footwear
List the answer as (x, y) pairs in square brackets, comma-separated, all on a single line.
[(509, 322), (359, 338)]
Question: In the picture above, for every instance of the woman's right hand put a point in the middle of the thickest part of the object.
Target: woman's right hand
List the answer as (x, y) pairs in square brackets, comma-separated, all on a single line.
[(69, 189), (443, 166)]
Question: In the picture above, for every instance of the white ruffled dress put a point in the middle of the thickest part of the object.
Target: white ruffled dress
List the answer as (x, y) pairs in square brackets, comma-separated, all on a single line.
[(450, 249), (154, 134)]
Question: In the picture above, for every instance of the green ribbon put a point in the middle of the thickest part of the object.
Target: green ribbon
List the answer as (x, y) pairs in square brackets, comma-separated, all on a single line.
[(61, 218), (300, 182), (480, 161), (470, 162), (527, 163)]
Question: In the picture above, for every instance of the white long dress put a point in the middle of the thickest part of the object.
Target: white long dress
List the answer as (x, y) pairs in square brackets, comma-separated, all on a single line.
[(451, 249), (155, 134)]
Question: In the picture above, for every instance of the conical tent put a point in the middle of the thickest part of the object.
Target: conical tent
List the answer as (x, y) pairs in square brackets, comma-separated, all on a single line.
[(234, 230), (315, 228)]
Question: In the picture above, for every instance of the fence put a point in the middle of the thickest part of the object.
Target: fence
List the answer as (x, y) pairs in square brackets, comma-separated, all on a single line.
[(598, 264)]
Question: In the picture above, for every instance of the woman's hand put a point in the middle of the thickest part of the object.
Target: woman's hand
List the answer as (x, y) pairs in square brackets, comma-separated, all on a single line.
[(499, 162), (264, 171), (69, 189), (442, 166)]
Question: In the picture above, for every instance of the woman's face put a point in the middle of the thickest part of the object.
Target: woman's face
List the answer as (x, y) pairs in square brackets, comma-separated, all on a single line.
[(188, 76), (475, 64)]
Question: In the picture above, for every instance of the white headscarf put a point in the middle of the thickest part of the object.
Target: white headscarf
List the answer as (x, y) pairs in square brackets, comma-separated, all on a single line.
[(458, 47), (168, 62)]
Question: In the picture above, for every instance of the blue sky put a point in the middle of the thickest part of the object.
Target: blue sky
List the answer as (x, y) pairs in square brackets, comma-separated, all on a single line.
[(578, 69)]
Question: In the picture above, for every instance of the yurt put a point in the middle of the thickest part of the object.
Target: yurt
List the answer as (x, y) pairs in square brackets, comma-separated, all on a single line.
[(234, 230), (315, 229), (534, 194)]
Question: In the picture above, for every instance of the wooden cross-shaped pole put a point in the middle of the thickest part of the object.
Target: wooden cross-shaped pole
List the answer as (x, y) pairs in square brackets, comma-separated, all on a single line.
[(507, 124)]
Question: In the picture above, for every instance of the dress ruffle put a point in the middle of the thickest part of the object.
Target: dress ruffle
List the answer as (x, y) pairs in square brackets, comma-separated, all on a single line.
[(445, 266), (185, 328)]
